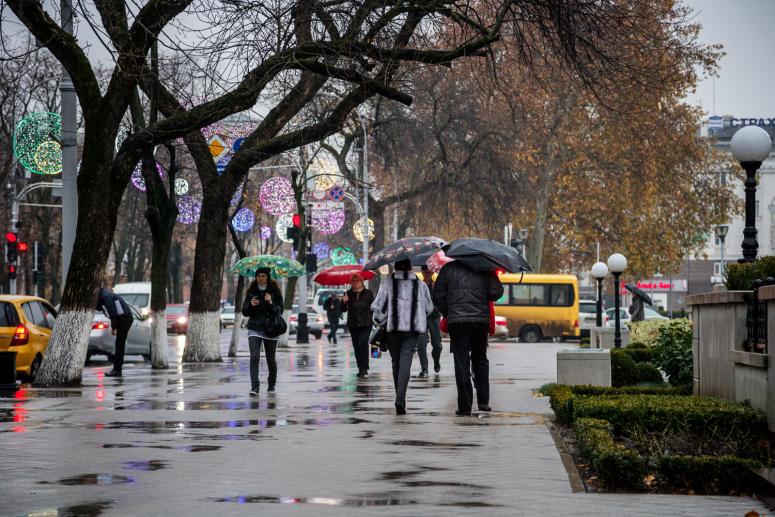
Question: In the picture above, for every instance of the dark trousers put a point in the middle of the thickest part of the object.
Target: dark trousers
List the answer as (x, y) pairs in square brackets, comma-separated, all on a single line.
[(333, 323), (469, 346), (360, 337), (401, 346), (434, 335), (124, 324), (270, 348)]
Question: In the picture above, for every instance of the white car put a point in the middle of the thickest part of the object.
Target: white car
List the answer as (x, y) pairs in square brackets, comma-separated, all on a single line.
[(624, 316), (227, 316), (315, 322), (588, 316), (501, 327), (137, 294), (102, 342)]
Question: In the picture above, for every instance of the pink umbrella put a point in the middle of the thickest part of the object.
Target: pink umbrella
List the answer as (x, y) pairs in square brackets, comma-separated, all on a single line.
[(436, 261)]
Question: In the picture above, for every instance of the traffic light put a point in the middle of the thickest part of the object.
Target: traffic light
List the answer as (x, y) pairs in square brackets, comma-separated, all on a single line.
[(22, 247), (11, 272), (296, 221), (12, 243)]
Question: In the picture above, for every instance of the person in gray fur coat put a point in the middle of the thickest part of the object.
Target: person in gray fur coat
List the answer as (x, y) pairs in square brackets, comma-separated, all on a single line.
[(403, 305)]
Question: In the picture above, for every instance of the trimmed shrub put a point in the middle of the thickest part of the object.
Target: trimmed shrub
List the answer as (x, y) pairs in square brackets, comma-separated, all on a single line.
[(635, 345), (616, 465), (639, 355), (647, 372), (562, 403), (546, 389), (673, 352), (739, 277), (706, 474), (624, 371), (630, 390)]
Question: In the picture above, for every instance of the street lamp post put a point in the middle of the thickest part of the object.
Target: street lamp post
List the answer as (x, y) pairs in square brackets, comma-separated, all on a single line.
[(599, 271), (750, 146), (721, 232), (617, 263), (519, 244)]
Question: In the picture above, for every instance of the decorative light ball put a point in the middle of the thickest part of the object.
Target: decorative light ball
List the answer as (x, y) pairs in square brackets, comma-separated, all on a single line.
[(617, 263), (341, 256), (276, 196), (281, 227), (181, 186), (321, 249), (189, 209), (332, 223), (121, 135), (324, 173), (237, 194), (244, 220), (751, 144), (31, 142), (137, 175), (358, 230), (266, 232), (599, 270), (48, 157)]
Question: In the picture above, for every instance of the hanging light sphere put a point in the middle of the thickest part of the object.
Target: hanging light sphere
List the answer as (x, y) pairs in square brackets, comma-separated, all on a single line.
[(137, 175), (321, 249), (276, 196), (181, 186), (358, 230), (324, 173), (189, 209), (266, 232), (244, 220), (332, 223), (341, 256), (36, 142), (281, 226)]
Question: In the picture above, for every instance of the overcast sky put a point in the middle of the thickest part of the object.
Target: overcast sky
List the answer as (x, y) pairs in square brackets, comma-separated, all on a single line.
[(746, 86)]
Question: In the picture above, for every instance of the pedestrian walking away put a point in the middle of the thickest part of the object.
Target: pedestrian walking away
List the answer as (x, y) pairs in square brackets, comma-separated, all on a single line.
[(432, 335), (403, 305), (117, 310), (333, 308), (263, 302), (356, 302), (463, 296)]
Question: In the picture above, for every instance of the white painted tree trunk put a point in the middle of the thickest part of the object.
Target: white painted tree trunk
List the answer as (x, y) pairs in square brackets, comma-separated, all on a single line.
[(159, 340), (235, 334), (65, 355), (203, 338), (283, 341)]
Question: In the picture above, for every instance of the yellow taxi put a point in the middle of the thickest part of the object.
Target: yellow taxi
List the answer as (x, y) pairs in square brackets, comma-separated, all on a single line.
[(25, 328)]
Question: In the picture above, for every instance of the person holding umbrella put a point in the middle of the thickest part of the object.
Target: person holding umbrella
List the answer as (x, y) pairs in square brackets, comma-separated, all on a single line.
[(356, 302), (637, 308), (403, 305)]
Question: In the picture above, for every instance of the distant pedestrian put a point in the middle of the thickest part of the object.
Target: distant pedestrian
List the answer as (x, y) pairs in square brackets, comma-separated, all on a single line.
[(356, 302), (262, 300), (463, 296), (121, 319), (433, 334), (403, 304), (333, 308), (637, 309)]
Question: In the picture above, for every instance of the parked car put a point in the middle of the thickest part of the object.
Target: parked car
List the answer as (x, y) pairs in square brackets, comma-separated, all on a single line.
[(588, 316), (501, 327), (177, 318), (102, 342), (321, 296), (624, 316), (137, 294), (25, 328), (227, 316), (315, 322)]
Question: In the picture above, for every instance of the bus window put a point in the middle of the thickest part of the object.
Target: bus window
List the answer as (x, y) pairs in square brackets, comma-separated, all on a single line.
[(529, 294), (561, 295)]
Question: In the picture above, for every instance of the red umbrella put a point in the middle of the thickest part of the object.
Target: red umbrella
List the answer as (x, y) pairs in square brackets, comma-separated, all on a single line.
[(340, 275)]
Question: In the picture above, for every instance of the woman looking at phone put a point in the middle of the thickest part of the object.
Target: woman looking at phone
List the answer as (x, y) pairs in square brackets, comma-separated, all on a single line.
[(263, 297)]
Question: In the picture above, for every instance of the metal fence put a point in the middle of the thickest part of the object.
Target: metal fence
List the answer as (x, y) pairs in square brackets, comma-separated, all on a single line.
[(756, 322)]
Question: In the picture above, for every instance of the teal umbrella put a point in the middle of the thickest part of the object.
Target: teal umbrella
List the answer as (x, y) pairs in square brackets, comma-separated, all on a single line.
[(281, 267)]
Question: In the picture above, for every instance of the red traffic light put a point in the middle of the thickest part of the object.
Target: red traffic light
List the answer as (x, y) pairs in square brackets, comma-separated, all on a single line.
[(297, 220), (10, 237), (11, 268), (23, 246)]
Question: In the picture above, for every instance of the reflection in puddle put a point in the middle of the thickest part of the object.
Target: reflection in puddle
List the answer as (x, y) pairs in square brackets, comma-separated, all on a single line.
[(421, 484), (91, 479), (180, 405), (436, 445), (148, 466), (162, 427), (79, 510), (471, 504), (327, 501), (187, 448)]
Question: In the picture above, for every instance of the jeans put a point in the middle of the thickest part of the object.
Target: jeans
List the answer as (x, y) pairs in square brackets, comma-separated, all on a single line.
[(422, 344), (401, 346), (360, 337), (469, 344), (124, 324), (333, 323), (270, 347)]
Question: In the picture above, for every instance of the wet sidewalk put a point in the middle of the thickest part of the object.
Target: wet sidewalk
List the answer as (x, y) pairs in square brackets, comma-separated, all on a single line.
[(189, 441)]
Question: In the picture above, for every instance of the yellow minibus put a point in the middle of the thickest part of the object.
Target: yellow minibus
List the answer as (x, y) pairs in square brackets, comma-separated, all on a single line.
[(540, 306)]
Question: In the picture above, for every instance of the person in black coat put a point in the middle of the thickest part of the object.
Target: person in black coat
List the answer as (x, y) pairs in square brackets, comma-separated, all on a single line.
[(121, 319), (263, 299), (356, 302), (333, 308), (463, 296)]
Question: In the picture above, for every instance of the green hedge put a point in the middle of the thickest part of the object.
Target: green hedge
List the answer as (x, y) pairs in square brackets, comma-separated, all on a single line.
[(639, 352), (706, 474), (615, 465), (628, 390), (624, 371), (739, 277), (648, 373), (561, 402)]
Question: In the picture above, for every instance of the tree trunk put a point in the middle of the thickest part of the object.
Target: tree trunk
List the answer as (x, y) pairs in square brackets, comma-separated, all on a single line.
[(176, 265)]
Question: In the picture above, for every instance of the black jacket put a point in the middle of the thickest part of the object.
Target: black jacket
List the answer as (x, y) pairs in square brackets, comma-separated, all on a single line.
[(435, 314), (358, 308), (257, 314), (464, 295), (333, 308), (113, 306)]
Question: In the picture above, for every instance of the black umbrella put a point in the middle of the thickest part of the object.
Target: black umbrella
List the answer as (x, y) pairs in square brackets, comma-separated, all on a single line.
[(486, 255), (403, 249), (640, 293)]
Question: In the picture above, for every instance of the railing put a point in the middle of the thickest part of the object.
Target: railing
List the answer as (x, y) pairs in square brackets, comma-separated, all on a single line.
[(756, 320)]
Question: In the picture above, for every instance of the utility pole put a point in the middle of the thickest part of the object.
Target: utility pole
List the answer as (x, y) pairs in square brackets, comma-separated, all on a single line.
[(69, 154)]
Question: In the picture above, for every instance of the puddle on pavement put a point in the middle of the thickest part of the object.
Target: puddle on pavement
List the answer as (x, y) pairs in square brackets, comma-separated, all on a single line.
[(423, 483), (397, 475), (435, 445), (367, 434), (326, 501), (472, 504), (147, 466), (186, 448), (180, 405), (164, 427), (91, 479), (78, 510)]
